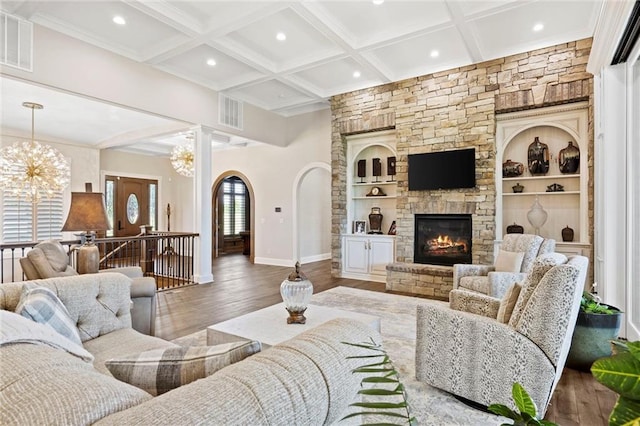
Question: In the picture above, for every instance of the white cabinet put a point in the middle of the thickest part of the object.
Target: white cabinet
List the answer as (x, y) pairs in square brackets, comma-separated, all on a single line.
[(555, 126), (365, 257)]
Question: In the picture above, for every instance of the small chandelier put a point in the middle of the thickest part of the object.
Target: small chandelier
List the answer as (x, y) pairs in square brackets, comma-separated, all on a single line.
[(182, 158), (31, 169)]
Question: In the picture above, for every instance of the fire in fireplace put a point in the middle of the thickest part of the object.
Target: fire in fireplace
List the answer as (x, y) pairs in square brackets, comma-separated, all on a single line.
[(442, 239)]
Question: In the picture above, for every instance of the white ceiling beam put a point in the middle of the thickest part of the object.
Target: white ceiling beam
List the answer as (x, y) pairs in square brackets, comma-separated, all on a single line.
[(127, 138), (468, 37)]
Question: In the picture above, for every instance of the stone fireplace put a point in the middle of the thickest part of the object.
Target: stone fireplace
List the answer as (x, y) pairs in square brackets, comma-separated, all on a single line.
[(442, 239)]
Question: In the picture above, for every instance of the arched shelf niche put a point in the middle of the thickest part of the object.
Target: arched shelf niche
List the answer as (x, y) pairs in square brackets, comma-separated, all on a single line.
[(556, 127)]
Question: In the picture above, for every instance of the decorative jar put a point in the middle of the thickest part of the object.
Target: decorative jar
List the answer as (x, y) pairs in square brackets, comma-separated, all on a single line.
[(512, 169), (537, 216), (567, 234), (296, 293), (538, 157), (375, 221), (569, 159)]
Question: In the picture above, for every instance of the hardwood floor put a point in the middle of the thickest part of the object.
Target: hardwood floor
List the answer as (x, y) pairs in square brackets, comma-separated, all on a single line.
[(241, 287)]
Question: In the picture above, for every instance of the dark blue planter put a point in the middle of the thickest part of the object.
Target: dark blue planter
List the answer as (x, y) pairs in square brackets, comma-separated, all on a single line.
[(591, 338)]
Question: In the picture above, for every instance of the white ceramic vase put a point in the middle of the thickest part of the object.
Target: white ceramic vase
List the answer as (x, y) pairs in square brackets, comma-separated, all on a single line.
[(537, 216)]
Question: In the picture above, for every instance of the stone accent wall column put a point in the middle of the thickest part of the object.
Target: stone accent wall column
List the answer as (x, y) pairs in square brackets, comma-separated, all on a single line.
[(455, 109)]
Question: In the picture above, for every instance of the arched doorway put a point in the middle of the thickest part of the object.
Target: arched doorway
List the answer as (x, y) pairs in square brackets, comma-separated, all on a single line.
[(312, 217), (232, 191)]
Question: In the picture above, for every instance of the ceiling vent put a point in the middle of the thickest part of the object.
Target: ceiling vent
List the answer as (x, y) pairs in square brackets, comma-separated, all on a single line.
[(230, 112), (16, 42)]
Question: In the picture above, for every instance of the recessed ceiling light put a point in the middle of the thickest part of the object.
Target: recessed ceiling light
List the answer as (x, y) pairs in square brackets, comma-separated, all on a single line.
[(356, 74), (378, 2), (211, 62), (119, 20), (281, 36), (538, 27), (435, 53)]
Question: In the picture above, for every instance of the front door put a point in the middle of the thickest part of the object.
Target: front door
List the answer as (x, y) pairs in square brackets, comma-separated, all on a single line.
[(134, 204)]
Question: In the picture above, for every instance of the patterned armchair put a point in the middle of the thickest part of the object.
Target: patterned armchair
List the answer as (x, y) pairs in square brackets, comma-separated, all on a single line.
[(494, 280), (479, 358)]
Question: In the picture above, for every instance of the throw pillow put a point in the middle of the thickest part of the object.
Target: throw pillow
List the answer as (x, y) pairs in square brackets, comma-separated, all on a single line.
[(159, 370), (41, 305), (508, 302), (509, 261)]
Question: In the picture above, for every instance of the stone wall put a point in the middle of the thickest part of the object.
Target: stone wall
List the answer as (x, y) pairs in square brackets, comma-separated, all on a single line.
[(455, 109)]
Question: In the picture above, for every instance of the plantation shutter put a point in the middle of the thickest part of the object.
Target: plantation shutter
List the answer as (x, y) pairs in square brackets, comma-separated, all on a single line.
[(234, 199), (18, 220)]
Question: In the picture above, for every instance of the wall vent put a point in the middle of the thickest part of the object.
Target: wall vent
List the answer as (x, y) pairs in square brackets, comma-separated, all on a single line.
[(230, 112), (16, 42)]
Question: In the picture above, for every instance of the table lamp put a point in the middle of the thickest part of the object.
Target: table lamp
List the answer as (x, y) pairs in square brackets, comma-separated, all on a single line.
[(88, 215)]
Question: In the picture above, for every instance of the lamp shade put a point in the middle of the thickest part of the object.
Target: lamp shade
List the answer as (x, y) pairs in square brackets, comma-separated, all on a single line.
[(87, 213)]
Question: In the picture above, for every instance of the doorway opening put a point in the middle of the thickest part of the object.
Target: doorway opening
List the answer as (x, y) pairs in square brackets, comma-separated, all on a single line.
[(131, 203), (233, 216)]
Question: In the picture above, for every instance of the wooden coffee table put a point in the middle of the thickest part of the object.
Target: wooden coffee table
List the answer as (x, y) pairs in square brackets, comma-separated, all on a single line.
[(269, 325)]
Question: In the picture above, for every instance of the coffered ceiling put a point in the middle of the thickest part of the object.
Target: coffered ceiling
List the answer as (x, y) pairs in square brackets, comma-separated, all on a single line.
[(330, 47)]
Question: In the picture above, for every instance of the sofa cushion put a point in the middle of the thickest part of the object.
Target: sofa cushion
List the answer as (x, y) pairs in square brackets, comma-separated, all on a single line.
[(508, 302), (160, 370), (475, 283), (541, 266), (122, 342), (509, 261), (41, 305), (18, 329), (40, 385), (50, 260)]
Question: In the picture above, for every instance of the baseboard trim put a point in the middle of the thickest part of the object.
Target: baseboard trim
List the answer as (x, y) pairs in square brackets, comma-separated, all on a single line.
[(274, 262), (315, 258)]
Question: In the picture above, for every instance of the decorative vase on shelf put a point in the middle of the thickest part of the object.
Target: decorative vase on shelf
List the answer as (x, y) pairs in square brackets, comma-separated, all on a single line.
[(296, 293), (375, 221), (512, 169), (515, 229), (538, 157), (567, 234), (517, 188), (569, 159), (537, 216)]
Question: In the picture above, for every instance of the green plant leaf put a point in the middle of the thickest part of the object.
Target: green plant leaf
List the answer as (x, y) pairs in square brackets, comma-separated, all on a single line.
[(380, 405), (378, 392), (375, 413), (379, 380), (523, 401), (547, 423), (634, 348), (502, 410), (372, 370), (620, 373), (626, 412)]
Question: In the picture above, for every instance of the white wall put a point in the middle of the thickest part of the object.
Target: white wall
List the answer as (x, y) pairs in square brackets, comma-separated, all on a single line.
[(272, 171)]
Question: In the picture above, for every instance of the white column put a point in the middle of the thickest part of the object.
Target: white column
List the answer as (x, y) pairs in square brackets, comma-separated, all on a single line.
[(202, 181), (610, 185)]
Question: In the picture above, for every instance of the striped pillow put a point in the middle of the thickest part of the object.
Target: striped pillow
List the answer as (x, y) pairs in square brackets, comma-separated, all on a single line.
[(41, 305), (159, 370)]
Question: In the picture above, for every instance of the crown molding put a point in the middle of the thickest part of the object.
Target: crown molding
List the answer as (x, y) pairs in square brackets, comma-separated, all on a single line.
[(609, 29)]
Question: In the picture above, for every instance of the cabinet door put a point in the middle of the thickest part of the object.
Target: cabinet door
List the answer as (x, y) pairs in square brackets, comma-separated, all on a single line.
[(356, 255), (381, 254)]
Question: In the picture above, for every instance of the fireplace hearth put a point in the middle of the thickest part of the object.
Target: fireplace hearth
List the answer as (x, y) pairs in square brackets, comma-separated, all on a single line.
[(442, 239)]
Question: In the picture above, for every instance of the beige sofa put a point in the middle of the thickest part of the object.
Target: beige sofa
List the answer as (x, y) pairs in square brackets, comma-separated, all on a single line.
[(306, 380)]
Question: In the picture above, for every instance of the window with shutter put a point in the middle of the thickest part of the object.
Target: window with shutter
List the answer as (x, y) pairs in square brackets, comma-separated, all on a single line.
[(235, 202), (18, 219)]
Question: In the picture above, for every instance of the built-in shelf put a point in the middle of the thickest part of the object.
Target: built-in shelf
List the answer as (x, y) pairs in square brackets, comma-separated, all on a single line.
[(524, 178), (554, 126), (520, 194), (394, 183)]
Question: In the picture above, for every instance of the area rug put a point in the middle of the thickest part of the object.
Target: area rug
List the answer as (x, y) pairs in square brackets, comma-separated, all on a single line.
[(429, 405)]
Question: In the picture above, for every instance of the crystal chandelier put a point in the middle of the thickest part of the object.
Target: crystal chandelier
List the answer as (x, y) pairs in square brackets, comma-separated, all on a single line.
[(182, 158), (31, 169)]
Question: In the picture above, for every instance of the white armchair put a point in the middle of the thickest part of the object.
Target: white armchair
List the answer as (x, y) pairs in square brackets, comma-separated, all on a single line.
[(479, 358), (513, 263)]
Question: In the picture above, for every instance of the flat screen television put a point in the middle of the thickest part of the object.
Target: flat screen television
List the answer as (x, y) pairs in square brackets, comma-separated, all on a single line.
[(442, 170)]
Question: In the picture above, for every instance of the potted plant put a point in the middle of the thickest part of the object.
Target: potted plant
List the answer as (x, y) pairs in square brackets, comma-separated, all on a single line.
[(528, 414), (596, 326), (621, 373)]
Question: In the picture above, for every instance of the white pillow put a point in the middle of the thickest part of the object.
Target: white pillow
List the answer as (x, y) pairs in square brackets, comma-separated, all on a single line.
[(509, 261)]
